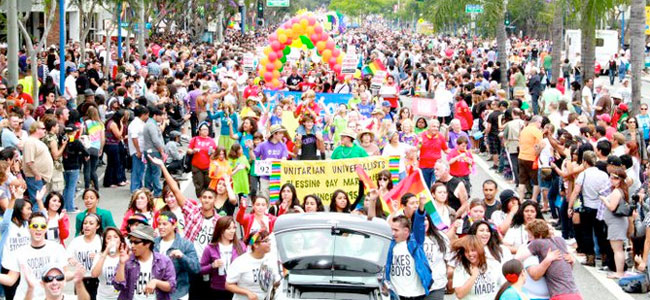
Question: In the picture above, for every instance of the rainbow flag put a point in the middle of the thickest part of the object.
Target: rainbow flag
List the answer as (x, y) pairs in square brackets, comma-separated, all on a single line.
[(414, 183), (393, 167), (373, 67), (274, 181), (369, 185)]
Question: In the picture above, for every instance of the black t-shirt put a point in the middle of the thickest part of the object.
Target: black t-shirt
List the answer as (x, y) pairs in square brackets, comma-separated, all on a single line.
[(493, 119), (93, 74), (308, 148), (227, 209), (82, 83), (294, 80), (452, 184), (490, 209)]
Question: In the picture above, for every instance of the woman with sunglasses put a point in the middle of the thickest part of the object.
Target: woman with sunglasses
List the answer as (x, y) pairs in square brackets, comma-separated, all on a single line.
[(217, 257), (242, 276), (14, 230), (634, 134), (58, 223), (616, 225), (105, 263), (83, 249)]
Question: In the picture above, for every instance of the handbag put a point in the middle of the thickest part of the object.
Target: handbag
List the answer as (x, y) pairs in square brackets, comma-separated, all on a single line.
[(623, 209)]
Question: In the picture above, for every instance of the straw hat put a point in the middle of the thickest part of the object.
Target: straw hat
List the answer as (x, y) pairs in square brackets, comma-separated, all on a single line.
[(378, 111), (366, 131), (276, 128), (349, 133)]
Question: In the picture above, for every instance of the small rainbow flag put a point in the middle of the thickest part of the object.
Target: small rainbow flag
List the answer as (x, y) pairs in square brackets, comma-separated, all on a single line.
[(369, 185), (274, 181), (373, 67), (393, 167), (414, 183)]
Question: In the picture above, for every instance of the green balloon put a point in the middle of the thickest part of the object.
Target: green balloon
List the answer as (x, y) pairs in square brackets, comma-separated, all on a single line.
[(286, 50), (283, 59), (282, 68)]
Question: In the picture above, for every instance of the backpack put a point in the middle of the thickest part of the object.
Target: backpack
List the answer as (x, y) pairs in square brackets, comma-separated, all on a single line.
[(636, 283)]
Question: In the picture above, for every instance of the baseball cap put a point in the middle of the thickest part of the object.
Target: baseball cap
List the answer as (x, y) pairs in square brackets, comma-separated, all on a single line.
[(604, 117), (507, 195), (623, 107)]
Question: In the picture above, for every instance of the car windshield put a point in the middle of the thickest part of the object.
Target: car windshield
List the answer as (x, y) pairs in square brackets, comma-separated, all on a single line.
[(337, 243)]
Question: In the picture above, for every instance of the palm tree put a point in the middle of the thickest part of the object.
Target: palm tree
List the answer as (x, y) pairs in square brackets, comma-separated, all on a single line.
[(637, 44), (558, 39), (590, 13)]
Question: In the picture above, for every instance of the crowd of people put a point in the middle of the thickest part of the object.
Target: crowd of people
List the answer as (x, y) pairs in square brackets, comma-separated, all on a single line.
[(570, 145)]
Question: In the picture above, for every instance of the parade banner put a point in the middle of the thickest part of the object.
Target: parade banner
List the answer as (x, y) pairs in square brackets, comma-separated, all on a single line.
[(323, 177), (329, 101)]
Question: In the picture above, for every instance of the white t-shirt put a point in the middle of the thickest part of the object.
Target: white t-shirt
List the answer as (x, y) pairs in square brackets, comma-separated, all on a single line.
[(17, 237), (143, 280), (487, 284), (165, 245), (84, 252), (516, 236), (36, 260), (135, 132), (506, 255), (400, 150), (437, 261), (245, 272), (586, 94), (106, 291), (204, 236), (535, 289), (402, 272), (225, 251), (52, 233)]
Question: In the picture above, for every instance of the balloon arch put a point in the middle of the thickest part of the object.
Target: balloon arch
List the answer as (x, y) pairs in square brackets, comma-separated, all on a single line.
[(303, 30)]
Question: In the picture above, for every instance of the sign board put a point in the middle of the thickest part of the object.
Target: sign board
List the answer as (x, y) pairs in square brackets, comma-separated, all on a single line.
[(378, 79), (263, 167), (249, 62), (349, 64), (212, 26), (474, 8), (647, 20), (278, 3)]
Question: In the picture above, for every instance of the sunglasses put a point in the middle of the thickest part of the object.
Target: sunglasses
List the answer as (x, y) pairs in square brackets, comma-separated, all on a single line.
[(41, 226), (50, 278), (136, 242)]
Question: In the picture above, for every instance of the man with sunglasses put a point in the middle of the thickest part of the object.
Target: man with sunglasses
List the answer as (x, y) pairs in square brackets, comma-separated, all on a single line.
[(35, 257), (142, 273), (53, 283), (644, 122)]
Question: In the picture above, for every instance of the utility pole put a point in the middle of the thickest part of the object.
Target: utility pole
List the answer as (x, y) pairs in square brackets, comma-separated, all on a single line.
[(61, 46), (142, 29), (119, 30), (12, 41)]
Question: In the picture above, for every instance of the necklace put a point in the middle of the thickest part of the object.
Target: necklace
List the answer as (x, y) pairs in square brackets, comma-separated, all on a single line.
[(346, 153)]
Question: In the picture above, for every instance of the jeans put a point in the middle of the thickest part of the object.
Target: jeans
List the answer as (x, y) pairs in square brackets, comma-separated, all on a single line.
[(590, 227), (70, 177), (429, 176), (621, 73), (567, 224), (534, 100), (114, 173), (553, 192), (152, 176), (90, 172), (612, 75), (137, 173), (513, 158), (33, 186)]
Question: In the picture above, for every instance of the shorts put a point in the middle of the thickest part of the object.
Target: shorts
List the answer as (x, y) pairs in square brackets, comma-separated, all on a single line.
[(543, 184), (526, 172), (494, 142)]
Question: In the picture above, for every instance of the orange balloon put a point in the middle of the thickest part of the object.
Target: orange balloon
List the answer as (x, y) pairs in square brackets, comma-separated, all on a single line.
[(264, 61), (267, 50), (275, 83), (289, 33), (276, 74), (321, 46), (339, 59), (296, 29), (278, 64), (310, 30), (282, 38)]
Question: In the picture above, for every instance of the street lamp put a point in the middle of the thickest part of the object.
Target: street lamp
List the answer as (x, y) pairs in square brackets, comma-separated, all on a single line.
[(62, 45)]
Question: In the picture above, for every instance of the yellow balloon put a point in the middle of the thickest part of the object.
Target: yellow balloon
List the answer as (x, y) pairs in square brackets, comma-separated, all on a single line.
[(278, 64), (261, 72), (304, 23), (310, 30), (276, 74), (296, 28), (280, 31), (282, 38), (327, 53), (264, 61), (290, 33), (267, 50), (339, 60), (321, 46), (297, 43)]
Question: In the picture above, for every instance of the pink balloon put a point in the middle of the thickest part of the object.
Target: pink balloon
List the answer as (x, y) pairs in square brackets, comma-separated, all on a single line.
[(325, 36), (318, 29), (275, 45), (337, 68), (268, 76), (330, 45), (294, 20), (332, 60), (270, 67), (279, 54), (449, 52), (273, 56), (314, 37), (286, 25), (273, 37), (311, 21), (336, 52)]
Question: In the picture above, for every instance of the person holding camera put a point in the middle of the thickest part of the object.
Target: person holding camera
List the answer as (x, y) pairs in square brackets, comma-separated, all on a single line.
[(72, 161)]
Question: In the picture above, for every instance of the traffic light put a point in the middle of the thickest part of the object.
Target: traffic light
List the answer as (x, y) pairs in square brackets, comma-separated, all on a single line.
[(260, 9), (506, 20)]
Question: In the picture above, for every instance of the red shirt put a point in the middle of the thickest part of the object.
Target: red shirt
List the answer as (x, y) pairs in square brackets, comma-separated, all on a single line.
[(205, 146), (431, 148), (464, 115), (313, 106), (251, 90), (462, 166)]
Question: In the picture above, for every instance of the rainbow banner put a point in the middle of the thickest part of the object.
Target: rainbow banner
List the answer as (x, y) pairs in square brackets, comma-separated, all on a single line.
[(274, 181), (393, 167), (373, 67), (414, 183)]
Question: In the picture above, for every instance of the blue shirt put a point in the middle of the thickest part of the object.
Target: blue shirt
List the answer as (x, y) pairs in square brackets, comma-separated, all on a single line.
[(644, 125), (9, 139), (366, 109)]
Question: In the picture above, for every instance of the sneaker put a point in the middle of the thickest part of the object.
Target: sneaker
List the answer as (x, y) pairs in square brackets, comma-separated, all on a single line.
[(570, 241)]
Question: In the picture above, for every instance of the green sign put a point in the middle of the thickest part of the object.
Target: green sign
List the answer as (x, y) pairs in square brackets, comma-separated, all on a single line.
[(474, 8), (277, 3)]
